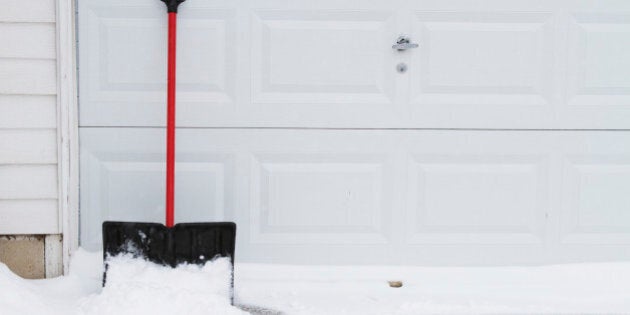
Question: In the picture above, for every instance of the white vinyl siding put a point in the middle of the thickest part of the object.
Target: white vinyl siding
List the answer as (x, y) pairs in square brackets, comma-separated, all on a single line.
[(28, 11), (28, 40), (28, 118)]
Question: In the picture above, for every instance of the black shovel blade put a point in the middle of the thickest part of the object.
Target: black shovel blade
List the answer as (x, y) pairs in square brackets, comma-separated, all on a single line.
[(192, 243)]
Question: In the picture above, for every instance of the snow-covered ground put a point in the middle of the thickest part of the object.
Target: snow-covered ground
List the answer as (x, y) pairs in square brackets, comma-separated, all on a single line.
[(134, 286), (579, 288), (140, 288)]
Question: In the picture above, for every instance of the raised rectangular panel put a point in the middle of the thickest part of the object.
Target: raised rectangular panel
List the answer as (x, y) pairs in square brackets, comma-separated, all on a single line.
[(300, 200), (598, 65), (481, 69), (124, 63), (322, 57), (130, 187), (501, 55), (476, 200), (596, 200), (597, 85)]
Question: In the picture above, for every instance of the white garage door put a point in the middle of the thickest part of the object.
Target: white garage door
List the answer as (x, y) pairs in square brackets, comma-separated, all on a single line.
[(506, 140)]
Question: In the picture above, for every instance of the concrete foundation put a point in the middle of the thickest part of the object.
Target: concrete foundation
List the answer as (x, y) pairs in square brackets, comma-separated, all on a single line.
[(24, 255)]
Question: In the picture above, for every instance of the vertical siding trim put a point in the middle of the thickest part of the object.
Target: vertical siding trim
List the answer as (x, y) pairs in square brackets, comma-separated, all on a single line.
[(67, 129)]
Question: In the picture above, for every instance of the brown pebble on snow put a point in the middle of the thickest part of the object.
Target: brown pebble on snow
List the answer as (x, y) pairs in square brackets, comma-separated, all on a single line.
[(395, 284)]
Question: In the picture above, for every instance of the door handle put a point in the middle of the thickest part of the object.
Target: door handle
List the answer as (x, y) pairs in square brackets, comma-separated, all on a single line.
[(403, 43)]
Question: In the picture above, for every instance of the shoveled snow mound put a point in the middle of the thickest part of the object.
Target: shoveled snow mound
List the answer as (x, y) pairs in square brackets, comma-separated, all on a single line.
[(136, 286), (50, 296), (18, 296), (133, 287)]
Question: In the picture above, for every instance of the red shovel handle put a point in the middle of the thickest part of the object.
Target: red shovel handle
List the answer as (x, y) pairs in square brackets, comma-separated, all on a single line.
[(170, 121), (171, 6)]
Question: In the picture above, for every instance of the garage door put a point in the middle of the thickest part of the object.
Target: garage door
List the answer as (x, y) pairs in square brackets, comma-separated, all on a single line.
[(502, 137)]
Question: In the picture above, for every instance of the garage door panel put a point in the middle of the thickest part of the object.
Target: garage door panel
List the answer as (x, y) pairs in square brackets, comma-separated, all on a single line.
[(594, 222), (318, 189), (503, 65), (597, 84), (432, 197), (130, 187), (323, 68), (480, 198), (321, 57), (477, 200), (596, 200), (482, 69), (125, 63), (599, 67), (319, 199)]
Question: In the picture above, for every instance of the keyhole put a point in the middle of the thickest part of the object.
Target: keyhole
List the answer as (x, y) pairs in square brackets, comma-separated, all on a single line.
[(401, 67)]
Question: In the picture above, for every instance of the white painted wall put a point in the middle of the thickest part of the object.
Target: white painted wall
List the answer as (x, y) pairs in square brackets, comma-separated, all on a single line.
[(28, 118)]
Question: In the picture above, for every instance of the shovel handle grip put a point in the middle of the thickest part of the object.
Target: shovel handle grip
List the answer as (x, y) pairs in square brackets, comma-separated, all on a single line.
[(171, 5)]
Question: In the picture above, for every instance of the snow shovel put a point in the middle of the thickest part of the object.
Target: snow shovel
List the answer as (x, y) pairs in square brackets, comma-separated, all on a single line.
[(170, 244)]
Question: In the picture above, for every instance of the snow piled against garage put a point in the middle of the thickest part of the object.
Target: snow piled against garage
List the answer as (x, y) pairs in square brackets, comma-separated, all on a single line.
[(138, 287), (134, 286)]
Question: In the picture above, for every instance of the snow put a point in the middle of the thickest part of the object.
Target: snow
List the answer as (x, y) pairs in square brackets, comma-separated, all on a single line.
[(574, 288), (139, 287), (134, 286)]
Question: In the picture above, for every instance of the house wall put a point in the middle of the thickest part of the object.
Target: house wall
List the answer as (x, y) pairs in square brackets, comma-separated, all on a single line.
[(28, 136)]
